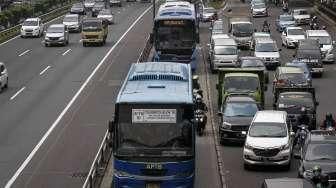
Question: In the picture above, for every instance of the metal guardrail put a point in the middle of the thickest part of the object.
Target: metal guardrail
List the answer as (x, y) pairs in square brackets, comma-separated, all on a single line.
[(99, 164), (145, 51), (15, 30)]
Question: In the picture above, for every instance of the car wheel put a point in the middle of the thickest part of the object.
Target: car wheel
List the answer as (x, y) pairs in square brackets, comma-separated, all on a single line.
[(46, 44), (287, 167)]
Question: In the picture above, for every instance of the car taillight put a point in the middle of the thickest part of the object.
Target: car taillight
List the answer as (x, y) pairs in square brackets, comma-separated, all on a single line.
[(281, 82), (83, 36)]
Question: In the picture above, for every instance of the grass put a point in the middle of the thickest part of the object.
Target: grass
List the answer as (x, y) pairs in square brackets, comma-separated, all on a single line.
[(216, 4)]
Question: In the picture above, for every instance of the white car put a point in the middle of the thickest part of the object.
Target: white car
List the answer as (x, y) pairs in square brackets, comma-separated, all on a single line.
[(269, 140), (107, 15), (266, 49), (291, 35), (72, 21), (259, 10), (3, 77), (301, 16), (32, 27)]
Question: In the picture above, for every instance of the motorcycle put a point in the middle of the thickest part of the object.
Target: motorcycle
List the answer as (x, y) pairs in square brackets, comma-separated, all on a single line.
[(301, 135), (314, 24), (266, 29), (285, 7), (200, 121)]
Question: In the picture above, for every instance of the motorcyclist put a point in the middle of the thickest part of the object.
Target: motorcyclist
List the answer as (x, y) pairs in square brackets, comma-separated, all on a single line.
[(317, 175), (266, 27), (303, 119), (313, 22), (199, 104), (285, 6), (328, 122)]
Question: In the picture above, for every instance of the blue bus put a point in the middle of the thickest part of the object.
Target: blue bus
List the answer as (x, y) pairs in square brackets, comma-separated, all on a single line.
[(176, 33), (153, 135)]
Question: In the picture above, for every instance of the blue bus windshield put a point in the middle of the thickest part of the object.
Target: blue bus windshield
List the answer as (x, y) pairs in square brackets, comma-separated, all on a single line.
[(174, 34), (154, 131)]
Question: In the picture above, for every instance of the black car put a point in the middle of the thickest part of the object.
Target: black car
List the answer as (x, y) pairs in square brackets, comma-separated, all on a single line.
[(236, 116), (287, 183), (309, 52), (98, 6), (319, 150), (77, 8), (292, 100)]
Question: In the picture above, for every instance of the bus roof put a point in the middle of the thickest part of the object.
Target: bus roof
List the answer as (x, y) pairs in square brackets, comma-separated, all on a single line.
[(179, 9), (157, 82)]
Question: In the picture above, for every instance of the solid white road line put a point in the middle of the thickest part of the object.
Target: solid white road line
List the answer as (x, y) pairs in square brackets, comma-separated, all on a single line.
[(66, 52), (45, 136), (44, 70), (23, 53), (17, 93)]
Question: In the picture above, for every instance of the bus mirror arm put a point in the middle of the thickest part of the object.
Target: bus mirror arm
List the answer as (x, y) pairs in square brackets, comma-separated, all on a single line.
[(111, 126)]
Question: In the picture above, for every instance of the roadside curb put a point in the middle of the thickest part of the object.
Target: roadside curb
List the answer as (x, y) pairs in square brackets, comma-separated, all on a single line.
[(220, 162)]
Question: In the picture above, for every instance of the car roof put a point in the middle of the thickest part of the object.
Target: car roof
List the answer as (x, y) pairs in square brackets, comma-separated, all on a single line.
[(240, 98), (299, 9), (33, 19), (57, 26), (288, 182), (261, 34), (71, 15), (224, 42), (264, 40), (284, 70), (317, 33), (322, 136), (266, 116), (220, 36), (294, 27)]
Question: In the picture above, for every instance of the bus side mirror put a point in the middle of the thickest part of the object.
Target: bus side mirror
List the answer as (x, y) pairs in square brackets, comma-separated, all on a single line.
[(151, 38), (111, 126)]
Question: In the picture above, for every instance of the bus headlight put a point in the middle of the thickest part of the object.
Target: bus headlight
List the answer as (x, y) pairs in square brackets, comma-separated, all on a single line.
[(226, 125), (120, 173)]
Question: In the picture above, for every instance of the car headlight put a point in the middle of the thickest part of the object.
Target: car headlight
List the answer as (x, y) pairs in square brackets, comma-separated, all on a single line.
[(46, 38), (308, 174), (285, 147), (121, 173), (248, 146), (226, 125), (61, 38)]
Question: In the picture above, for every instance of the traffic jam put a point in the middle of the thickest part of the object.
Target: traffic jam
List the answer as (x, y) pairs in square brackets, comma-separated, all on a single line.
[(164, 96), (286, 130)]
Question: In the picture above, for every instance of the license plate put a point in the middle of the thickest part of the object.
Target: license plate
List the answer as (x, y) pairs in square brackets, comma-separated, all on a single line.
[(265, 159), (152, 185)]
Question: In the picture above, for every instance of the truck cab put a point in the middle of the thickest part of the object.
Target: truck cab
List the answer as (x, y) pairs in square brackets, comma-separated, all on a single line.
[(241, 81), (94, 31), (241, 29)]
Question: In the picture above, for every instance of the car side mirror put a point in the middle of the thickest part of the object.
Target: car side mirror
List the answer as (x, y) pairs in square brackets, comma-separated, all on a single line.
[(294, 55), (280, 49), (292, 134), (220, 113), (229, 10), (333, 42), (317, 103)]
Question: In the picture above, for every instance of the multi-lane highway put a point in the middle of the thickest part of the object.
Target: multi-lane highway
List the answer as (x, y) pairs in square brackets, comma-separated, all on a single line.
[(54, 114)]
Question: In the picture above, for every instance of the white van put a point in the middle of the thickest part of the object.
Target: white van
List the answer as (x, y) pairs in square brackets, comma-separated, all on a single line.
[(326, 44), (269, 140)]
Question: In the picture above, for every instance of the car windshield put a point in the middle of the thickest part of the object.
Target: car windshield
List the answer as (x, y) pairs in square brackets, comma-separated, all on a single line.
[(92, 26), (218, 26), (240, 109), (70, 19), (266, 47), (259, 6), (77, 6), (272, 129), (225, 50), (252, 63), (325, 40), (209, 10), (321, 151), (286, 18), (241, 84), (295, 101), (302, 66), (241, 29), (30, 23), (105, 13), (300, 12), (295, 32), (55, 30)]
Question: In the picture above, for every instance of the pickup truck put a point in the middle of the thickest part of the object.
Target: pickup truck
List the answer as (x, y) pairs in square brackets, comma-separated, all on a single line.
[(241, 81), (94, 31)]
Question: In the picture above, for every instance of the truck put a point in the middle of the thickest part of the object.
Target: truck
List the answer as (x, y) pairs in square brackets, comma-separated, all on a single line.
[(241, 81), (94, 31), (241, 29)]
